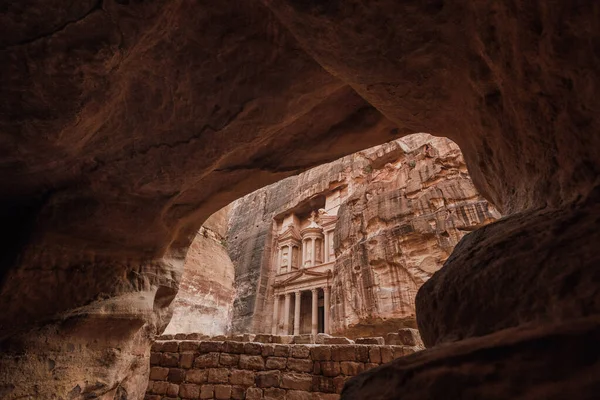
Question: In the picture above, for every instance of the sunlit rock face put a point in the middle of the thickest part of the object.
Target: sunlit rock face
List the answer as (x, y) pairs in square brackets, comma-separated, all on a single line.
[(413, 204), (401, 208), (205, 298)]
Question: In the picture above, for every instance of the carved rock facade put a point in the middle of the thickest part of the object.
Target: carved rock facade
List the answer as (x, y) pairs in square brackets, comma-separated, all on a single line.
[(391, 216)]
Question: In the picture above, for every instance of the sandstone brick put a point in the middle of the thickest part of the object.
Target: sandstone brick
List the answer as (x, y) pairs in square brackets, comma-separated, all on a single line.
[(254, 393), (176, 375), (189, 391), (180, 336), (339, 382), (362, 353), (323, 384), (370, 366), (238, 393), (281, 350), (300, 351), (207, 391), (218, 375), (211, 347), (330, 368), (160, 387), (387, 354), (274, 394), (169, 360), (149, 386), (207, 360), (234, 347), (229, 360), (399, 351), (337, 340), (173, 390), (152, 397), (276, 363), (375, 354), (320, 353), (304, 339), (351, 368), (195, 336), (298, 395), (254, 349), (252, 362), (222, 392), (283, 339), (155, 358), (343, 353), (159, 373), (241, 377), (189, 346), (196, 375), (157, 347), (186, 360), (410, 337), (267, 350), (166, 337), (263, 338), (296, 381), (371, 340), (170, 347), (300, 364), (268, 379)]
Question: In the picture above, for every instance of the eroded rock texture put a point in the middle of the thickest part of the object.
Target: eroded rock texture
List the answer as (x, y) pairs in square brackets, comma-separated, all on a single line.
[(405, 205), (409, 208), (204, 302), (125, 124)]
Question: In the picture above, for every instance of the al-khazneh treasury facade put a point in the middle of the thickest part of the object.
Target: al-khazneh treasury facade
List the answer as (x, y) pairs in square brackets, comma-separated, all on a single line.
[(344, 247), (304, 264)]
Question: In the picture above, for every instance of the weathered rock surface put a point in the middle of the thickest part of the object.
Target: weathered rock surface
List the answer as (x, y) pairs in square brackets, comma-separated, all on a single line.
[(408, 203), (125, 124), (204, 302), (559, 279), (509, 364), (404, 217)]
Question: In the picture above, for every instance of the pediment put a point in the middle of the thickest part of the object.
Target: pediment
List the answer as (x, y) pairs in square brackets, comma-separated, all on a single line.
[(302, 275), (290, 233)]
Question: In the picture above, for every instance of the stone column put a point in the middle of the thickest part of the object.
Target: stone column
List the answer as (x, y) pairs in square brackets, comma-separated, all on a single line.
[(326, 308), (314, 252), (303, 253), (280, 260), (326, 247), (286, 314), (290, 254), (275, 315), (315, 312), (297, 314)]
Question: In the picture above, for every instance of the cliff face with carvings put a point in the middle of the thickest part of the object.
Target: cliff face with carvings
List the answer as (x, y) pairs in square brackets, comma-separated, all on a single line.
[(407, 204), (414, 203), (204, 301)]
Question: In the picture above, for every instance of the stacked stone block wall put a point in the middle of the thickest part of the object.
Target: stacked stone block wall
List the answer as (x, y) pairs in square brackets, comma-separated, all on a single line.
[(249, 370)]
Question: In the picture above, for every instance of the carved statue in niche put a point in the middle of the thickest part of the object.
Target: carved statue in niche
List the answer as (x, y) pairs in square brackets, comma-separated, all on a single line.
[(284, 258), (319, 256), (294, 257), (308, 255), (313, 217)]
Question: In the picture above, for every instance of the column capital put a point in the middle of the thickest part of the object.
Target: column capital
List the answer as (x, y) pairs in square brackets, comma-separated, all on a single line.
[(297, 293), (326, 289), (314, 290)]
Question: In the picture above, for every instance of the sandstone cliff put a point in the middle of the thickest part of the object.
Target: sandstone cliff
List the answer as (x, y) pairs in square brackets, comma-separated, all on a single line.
[(409, 209), (204, 301), (407, 205)]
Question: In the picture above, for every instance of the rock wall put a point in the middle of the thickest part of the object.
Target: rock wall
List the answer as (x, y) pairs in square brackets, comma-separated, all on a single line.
[(205, 298), (408, 204), (226, 370), (412, 206)]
